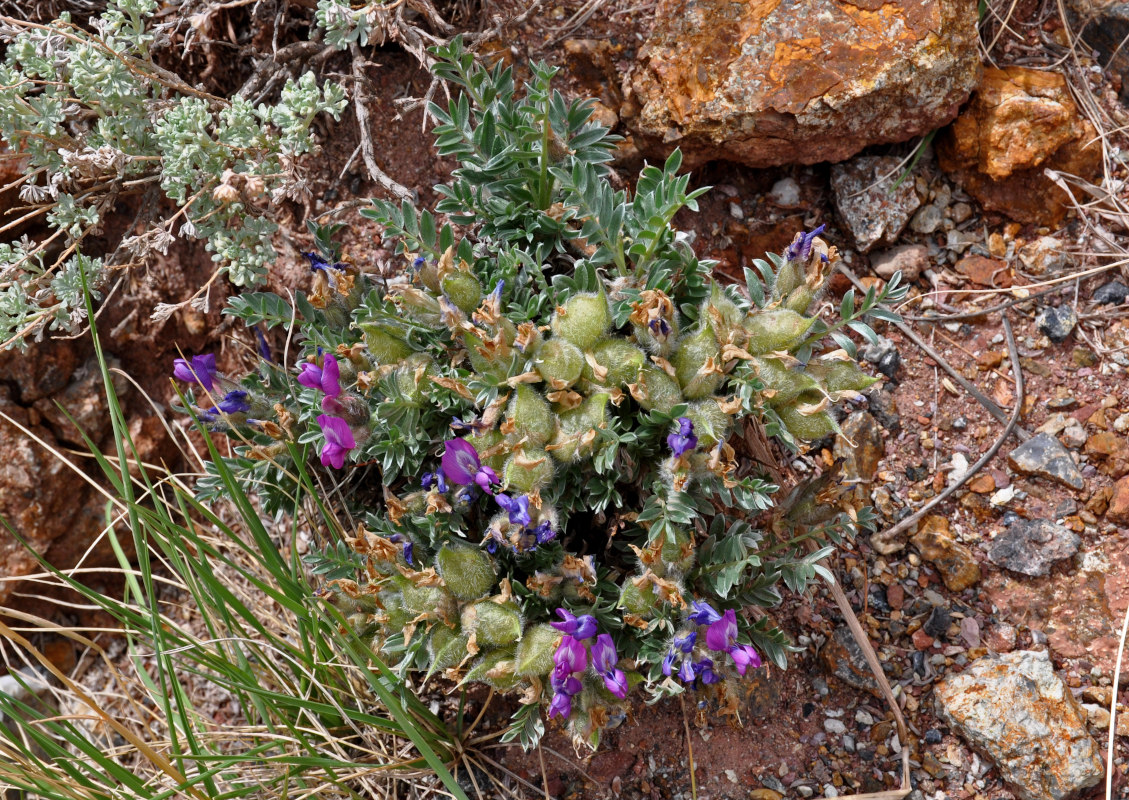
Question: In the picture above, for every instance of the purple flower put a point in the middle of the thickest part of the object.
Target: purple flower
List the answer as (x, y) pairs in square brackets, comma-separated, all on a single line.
[(516, 507), (462, 465), (685, 643), (338, 441), (326, 377), (704, 670), (408, 547), (427, 480), (721, 634), (466, 495), (704, 613), (686, 674), (234, 402), (418, 262), (319, 264), (744, 656), (571, 655), (582, 627), (684, 440), (561, 706), (544, 532), (604, 657), (668, 661), (199, 369), (569, 685), (616, 683), (800, 248)]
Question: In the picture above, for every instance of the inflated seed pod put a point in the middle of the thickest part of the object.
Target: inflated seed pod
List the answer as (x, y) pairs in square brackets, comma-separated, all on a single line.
[(429, 276), (619, 362), (711, 424), (411, 376), (841, 376), (467, 571), (679, 554), (383, 346), (807, 428), (583, 320), (495, 668), (590, 414), (693, 353), (559, 362), (788, 279), (800, 299), (396, 609), (447, 647), (642, 602), (486, 440), (534, 654), (494, 624), (787, 383), (527, 470), (430, 600), (773, 331), (464, 290), (655, 390), (531, 415)]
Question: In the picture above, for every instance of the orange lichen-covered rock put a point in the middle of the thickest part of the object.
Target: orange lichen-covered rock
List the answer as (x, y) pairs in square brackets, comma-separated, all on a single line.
[(767, 82), (1019, 123), (1015, 710)]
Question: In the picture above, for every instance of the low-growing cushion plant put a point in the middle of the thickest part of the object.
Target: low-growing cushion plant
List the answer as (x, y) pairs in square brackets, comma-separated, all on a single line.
[(529, 429)]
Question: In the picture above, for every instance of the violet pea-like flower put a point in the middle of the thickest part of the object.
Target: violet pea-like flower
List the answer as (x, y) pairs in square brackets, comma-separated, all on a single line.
[(704, 670), (604, 660), (571, 655), (544, 532), (685, 643), (800, 248), (721, 634), (198, 369), (338, 441), (516, 507), (561, 706), (582, 627), (569, 685), (326, 377), (462, 465), (703, 613), (744, 656), (234, 402), (686, 674), (684, 440)]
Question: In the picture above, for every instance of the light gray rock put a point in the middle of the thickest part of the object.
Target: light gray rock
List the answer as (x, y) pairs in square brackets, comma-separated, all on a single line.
[(868, 204), (1019, 714), (908, 259)]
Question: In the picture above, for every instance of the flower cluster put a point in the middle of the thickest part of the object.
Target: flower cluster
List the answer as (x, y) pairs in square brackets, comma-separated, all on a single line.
[(592, 510)]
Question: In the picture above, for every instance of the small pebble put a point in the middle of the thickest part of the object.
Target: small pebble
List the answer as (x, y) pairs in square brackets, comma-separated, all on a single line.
[(834, 727), (736, 211), (932, 736)]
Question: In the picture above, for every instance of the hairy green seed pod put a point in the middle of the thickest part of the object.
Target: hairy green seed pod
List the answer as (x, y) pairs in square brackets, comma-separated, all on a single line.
[(534, 655), (429, 276), (692, 355), (531, 415), (410, 380), (655, 390), (559, 362), (467, 571), (800, 299), (777, 330), (621, 360), (679, 554), (785, 382), (495, 668), (396, 609), (583, 320), (641, 602), (592, 413), (807, 428), (842, 376), (464, 290), (711, 424), (384, 347), (790, 277), (430, 600), (483, 442), (494, 624), (528, 470), (447, 647)]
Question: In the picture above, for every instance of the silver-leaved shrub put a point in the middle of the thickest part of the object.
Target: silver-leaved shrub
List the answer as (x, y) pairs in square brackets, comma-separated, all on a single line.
[(96, 120), (537, 429)]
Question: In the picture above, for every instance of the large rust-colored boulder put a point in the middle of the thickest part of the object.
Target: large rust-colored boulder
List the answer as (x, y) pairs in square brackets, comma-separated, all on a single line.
[(768, 82), (1019, 123)]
